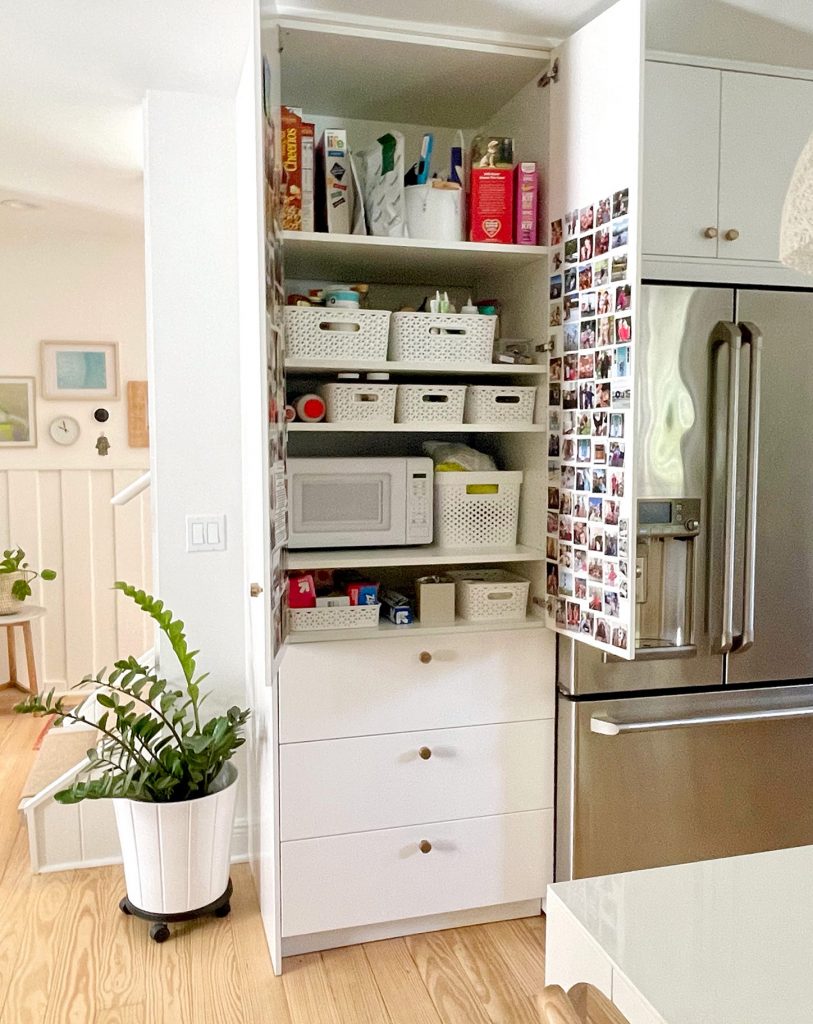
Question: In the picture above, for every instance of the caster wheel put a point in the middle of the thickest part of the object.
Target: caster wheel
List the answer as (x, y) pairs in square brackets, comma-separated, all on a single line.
[(124, 906), (223, 911), (159, 932)]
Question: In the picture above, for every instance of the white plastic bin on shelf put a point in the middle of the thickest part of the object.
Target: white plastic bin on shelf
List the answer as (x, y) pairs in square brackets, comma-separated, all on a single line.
[(486, 594), (321, 333), (359, 403), (477, 509), (488, 403), (353, 616), (430, 403), (442, 337)]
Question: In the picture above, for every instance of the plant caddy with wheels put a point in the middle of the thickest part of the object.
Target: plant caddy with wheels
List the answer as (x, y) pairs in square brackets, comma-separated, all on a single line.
[(169, 774)]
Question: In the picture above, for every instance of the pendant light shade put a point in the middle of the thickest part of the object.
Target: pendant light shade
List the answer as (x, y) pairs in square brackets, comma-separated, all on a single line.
[(796, 238)]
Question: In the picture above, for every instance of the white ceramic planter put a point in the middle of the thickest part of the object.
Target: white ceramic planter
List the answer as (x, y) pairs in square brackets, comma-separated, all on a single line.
[(176, 855)]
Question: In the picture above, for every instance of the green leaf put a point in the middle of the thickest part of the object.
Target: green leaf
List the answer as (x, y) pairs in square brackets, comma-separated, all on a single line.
[(48, 574)]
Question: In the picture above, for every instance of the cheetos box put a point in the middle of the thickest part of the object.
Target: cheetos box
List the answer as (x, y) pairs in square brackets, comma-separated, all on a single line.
[(491, 216)]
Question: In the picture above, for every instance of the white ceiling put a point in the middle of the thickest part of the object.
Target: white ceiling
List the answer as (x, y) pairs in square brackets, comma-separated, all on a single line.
[(73, 72)]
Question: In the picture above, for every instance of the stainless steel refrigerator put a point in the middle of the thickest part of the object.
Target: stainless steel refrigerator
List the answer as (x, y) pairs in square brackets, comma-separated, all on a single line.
[(703, 746)]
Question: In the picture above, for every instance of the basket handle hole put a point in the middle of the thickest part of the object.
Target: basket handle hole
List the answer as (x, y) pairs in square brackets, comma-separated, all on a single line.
[(435, 398), (338, 325), (482, 490), (448, 330), (501, 596), (365, 396), (507, 399)]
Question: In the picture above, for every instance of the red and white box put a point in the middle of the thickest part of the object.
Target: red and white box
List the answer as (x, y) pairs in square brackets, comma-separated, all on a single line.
[(526, 203), (491, 212)]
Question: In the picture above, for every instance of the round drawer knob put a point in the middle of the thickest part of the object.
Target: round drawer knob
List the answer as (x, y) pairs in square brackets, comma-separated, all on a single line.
[(424, 846), (424, 657), (710, 232), (732, 235), (425, 753), (693, 524)]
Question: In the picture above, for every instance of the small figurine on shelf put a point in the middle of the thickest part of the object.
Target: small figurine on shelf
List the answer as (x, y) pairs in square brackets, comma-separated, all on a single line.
[(102, 445)]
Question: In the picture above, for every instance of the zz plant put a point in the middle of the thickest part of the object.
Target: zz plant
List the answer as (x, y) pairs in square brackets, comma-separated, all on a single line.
[(154, 745), (13, 561)]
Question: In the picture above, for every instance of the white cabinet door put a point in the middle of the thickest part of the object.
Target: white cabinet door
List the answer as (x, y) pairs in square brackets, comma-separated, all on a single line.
[(681, 160), (765, 123)]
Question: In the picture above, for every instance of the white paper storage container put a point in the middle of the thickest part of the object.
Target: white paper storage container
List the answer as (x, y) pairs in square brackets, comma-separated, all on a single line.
[(442, 337), (353, 616), (467, 516), (322, 333), (488, 403), (430, 403), (359, 403), (486, 594)]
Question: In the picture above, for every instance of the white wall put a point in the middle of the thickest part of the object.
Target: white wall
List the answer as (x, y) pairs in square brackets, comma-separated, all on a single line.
[(59, 282), (193, 335)]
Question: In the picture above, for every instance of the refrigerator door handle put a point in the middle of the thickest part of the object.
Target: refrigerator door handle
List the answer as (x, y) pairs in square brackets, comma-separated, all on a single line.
[(727, 335), (751, 336), (609, 727)]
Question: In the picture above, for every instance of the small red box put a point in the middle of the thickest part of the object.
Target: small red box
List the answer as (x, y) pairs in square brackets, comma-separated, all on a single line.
[(491, 216), (301, 591)]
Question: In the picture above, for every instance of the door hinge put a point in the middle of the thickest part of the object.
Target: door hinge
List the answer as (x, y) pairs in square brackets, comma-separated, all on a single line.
[(550, 76)]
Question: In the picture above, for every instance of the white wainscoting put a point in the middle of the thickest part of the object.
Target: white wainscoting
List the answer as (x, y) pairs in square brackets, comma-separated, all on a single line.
[(63, 520)]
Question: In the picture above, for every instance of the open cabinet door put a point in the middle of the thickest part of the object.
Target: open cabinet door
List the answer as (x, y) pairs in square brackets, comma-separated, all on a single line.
[(265, 517), (595, 82)]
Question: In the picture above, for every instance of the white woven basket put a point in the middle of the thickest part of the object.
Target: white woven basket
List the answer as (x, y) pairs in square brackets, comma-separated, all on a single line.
[(354, 616), (336, 333), (442, 337), (488, 403), (359, 403), (466, 517), (486, 594), (9, 605), (430, 403)]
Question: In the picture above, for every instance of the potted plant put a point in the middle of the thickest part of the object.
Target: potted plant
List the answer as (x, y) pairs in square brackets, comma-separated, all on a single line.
[(169, 773), (16, 576)]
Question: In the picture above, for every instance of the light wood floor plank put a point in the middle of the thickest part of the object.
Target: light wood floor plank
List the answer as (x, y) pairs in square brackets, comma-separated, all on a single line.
[(123, 976), (308, 991), (400, 984), (216, 996), (526, 961), (168, 974), (447, 984), (491, 978), (353, 986), (135, 1013)]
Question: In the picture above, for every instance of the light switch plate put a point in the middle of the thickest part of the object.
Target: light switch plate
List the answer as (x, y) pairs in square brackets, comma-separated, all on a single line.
[(205, 533)]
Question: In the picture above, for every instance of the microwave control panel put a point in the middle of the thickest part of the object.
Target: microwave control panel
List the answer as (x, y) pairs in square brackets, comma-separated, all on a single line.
[(420, 480)]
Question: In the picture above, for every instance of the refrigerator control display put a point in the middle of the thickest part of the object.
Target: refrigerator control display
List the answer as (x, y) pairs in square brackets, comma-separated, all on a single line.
[(654, 512)]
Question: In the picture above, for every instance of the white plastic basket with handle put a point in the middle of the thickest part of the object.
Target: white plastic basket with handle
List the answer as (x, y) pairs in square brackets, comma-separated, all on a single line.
[(488, 403), (317, 333), (487, 594), (477, 510), (430, 403), (359, 403), (442, 337), (354, 616)]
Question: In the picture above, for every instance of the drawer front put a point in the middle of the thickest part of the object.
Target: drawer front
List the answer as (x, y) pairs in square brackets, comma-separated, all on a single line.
[(400, 684), (378, 782), (368, 877)]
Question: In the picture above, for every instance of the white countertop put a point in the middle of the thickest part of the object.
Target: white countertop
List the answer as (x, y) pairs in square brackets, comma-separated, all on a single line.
[(725, 941)]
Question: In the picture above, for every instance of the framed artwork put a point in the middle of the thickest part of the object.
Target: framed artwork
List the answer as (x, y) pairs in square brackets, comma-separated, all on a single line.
[(18, 420), (75, 370)]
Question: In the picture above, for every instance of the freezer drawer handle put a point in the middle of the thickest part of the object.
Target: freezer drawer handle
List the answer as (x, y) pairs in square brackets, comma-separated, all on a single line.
[(609, 727)]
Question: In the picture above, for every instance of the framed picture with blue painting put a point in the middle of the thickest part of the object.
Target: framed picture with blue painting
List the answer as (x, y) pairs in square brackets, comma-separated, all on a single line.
[(75, 370)]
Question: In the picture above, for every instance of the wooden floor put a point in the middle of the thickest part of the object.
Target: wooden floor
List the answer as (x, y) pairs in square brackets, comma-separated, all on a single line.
[(68, 956)]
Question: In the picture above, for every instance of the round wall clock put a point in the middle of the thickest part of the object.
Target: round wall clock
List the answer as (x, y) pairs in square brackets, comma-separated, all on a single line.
[(64, 430)]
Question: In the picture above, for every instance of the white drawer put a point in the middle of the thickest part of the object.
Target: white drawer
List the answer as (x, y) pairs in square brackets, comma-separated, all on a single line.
[(364, 878), (367, 687), (376, 782)]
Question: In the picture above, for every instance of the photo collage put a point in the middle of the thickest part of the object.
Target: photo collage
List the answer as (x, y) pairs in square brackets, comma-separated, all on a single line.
[(590, 424)]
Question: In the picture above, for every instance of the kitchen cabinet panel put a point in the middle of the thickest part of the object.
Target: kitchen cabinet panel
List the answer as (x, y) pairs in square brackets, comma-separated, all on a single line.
[(681, 159)]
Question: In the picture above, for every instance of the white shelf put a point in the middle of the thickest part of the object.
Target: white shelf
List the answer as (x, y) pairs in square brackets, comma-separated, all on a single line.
[(386, 366), (387, 629), (314, 255), (421, 428), (360, 558)]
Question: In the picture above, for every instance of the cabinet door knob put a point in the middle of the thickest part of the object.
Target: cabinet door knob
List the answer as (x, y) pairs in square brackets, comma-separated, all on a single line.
[(255, 590), (731, 235), (424, 846), (710, 232), (425, 753), (424, 657)]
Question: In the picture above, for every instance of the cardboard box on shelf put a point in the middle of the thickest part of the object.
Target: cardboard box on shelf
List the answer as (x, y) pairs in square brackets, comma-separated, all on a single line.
[(291, 126), (491, 215), (334, 187), (308, 201), (526, 203)]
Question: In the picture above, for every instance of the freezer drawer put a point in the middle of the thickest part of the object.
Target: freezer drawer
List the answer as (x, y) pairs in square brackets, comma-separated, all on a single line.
[(644, 782)]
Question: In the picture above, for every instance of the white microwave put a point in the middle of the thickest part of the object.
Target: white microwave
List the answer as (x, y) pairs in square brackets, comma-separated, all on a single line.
[(357, 503)]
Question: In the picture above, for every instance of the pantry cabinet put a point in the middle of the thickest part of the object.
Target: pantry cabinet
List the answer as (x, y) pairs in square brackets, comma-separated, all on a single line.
[(713, 193)]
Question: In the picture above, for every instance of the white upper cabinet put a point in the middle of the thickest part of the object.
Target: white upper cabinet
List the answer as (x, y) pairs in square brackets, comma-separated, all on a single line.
[(681, 160), (719, 151), (765, 123)]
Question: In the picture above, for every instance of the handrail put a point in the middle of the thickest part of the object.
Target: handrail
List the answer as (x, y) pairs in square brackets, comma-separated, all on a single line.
[(126, 494)]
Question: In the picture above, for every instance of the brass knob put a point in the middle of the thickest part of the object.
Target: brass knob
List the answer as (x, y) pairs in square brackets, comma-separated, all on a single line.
[(424, 846), (731, 235), (425, 753), (710, 232), (424, 657), (255, 590)]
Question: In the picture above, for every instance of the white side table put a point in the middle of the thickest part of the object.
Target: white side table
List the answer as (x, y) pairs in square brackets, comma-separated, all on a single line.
[(22, 619)]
